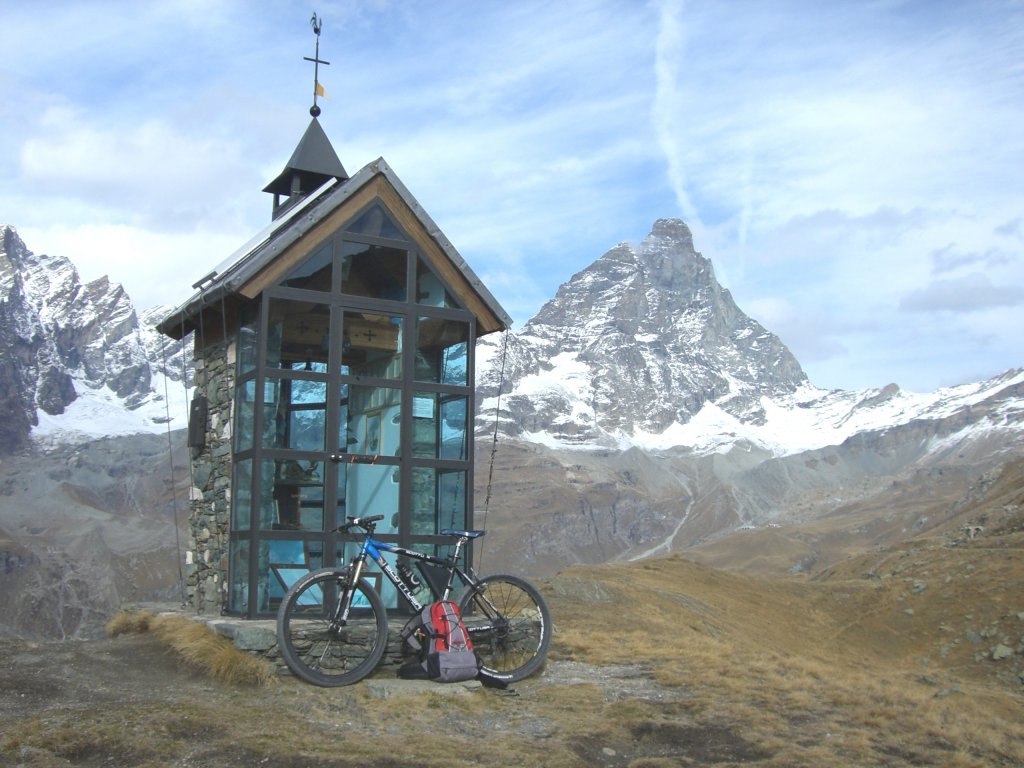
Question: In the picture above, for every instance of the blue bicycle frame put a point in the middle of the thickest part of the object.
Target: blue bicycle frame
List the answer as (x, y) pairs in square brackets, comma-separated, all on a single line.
[(374, 549)]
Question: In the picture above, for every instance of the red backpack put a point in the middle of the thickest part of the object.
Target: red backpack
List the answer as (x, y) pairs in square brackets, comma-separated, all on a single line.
[(445, 652)]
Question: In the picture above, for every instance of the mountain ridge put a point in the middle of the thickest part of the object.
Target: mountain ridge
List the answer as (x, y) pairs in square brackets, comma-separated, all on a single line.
[(650, 328), (640, 323), (639, 413), (78, 351)]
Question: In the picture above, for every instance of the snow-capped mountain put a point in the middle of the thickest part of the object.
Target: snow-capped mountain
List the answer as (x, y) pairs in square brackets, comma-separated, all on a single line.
[(638, 342), (645, 349), (76, 360), (640, 412)]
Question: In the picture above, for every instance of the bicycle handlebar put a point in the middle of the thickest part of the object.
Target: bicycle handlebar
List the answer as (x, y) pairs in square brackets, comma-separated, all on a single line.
[(366, 523)]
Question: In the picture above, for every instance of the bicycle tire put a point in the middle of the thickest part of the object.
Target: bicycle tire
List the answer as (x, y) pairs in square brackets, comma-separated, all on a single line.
[(314, 651), (509, 624)]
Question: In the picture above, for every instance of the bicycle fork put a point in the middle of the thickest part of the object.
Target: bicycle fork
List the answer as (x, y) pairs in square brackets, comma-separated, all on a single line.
[(341, 611)]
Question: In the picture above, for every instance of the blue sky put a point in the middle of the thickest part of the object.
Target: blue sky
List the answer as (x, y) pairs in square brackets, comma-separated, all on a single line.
[(852, 169)]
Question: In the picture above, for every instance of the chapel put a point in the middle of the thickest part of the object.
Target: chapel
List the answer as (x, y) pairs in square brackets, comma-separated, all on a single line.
[(334, 377)]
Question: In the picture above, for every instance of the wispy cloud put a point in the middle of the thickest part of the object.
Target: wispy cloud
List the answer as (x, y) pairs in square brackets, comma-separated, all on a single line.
[(669, 110), (851, 168), (974, 292)]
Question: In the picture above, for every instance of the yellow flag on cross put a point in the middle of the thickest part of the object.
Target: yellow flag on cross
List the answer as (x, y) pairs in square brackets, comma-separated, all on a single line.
[(320, 90)]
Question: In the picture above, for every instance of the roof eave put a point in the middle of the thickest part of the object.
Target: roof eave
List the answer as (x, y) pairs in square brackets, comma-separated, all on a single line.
[(246, 262), (445, 244)]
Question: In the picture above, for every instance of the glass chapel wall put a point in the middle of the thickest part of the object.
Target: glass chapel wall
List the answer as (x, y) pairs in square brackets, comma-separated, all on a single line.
[(353, 398)]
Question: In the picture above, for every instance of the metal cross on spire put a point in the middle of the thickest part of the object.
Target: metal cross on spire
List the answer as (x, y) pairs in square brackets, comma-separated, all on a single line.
[(318, 90)]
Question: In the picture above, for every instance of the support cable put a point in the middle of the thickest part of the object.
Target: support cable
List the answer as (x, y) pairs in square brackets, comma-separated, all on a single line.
[(494, 441), (174, 488), (184, 386), (224, 344)]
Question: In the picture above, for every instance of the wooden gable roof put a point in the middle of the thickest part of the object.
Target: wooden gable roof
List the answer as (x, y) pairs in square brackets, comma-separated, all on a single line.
[(283, 244)]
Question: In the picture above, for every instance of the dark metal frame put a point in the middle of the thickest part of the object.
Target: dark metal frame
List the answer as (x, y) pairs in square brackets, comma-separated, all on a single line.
[(339, 303)]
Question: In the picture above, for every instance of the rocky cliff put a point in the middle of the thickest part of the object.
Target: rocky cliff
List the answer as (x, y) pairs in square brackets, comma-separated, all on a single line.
[(640, 340), (62, 340), (642, 412)]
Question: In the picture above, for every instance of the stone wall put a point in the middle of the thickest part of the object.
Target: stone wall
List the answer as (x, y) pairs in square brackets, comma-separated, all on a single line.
[(207, 556), (259, 637)]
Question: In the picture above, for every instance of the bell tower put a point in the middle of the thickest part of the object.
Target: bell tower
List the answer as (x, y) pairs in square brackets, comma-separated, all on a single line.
[(314, 160)]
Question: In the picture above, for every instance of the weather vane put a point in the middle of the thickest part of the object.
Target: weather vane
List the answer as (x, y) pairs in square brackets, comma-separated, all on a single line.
[(318, 90)]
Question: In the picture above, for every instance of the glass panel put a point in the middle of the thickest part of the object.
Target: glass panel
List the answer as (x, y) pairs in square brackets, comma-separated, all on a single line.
[(241, 495), (451, 499), (288, 560), (424, 501), (269, 406), (266, 505), (372, 345), (245, 410), (439, 426), (454, 429), (373, 270), (298, 494), (247, 334), (346, 438), (282, 563), (298, 335), (442, 351), (372, 574), (374, 421), (238, 578), (314, 274), (429, 288), (369, 489), (438, 500), (377, 223), (298, 419)]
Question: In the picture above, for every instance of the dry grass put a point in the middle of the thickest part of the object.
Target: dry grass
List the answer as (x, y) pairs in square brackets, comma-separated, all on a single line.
[(665, 663), (197, 645), (783, 661)]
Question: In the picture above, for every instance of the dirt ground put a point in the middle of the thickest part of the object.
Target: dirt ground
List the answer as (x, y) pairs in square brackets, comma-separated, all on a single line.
[(54, 696), (129, 701), (914, 657)]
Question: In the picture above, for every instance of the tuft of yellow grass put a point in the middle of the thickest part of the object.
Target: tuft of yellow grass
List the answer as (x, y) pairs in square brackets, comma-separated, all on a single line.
[(129, 623), (197, 645)]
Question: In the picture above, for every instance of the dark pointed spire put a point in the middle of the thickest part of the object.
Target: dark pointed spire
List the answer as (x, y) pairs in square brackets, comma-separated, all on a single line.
[(314, 160)]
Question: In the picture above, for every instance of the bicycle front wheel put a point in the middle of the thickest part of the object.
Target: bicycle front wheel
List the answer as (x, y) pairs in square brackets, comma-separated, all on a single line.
[(313, 642), (509, 624)]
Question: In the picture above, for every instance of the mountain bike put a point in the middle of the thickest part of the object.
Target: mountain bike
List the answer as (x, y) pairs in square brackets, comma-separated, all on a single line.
[(332, 626)]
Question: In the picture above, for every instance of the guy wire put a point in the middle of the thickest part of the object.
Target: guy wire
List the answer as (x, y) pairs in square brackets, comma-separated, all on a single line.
[(494, 441), (170, 459)]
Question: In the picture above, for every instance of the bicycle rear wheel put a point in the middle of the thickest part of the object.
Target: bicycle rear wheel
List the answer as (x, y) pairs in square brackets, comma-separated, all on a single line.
[(310, 639), (509, 624)]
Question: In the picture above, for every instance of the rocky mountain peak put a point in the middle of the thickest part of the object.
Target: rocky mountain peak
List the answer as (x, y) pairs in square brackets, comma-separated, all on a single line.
[(640, 340), (60, 337), (674, 230)]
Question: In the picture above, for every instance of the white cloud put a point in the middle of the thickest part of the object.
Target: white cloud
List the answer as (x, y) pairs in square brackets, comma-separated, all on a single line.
[(669, 111), (834, 160), (973, 292), (155, 267)]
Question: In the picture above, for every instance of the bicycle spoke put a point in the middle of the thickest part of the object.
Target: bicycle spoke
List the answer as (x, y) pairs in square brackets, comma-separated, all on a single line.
[(317, 649), (509, 624)]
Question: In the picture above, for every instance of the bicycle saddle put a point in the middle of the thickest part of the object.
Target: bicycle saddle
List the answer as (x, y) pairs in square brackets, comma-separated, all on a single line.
[(464, 534)]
